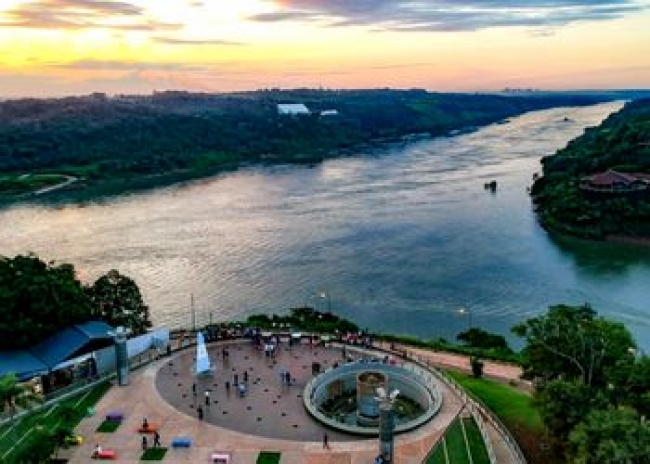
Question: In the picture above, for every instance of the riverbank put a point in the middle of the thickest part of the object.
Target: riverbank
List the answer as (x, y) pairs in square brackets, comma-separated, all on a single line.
[(134, 143)]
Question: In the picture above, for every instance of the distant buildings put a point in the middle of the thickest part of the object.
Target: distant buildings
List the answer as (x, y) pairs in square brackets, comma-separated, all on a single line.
[(611, 183), (292, 109)]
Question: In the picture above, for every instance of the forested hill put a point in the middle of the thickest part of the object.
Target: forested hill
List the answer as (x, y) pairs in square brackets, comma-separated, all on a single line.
[(124, 141), (620, 144)]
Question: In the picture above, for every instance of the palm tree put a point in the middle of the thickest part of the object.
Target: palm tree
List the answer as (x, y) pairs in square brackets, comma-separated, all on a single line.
[(14, 394)]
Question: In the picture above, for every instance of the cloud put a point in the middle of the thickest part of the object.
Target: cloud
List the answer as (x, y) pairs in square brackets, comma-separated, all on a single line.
[(180, 41), (451, 15), (81, 14), (118, 65)]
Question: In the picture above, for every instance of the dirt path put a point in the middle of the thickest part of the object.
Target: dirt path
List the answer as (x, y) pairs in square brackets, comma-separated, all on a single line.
[(68, 180)]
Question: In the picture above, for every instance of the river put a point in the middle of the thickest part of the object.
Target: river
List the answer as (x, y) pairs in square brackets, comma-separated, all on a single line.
[(397, 241)]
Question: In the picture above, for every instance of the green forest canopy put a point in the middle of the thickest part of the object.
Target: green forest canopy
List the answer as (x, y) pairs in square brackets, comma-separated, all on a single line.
[(37, 299), (104, 139), (620, 143)]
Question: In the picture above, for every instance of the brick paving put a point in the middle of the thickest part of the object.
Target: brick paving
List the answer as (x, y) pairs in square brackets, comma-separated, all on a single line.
[(154, 392)]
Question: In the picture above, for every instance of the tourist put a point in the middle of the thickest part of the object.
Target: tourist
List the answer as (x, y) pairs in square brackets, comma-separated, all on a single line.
[(245, 376), (194, 389), (156, 439), (199, 411), (207, 397), (227, 386), (326, 444), (236, 380), (144, 442)]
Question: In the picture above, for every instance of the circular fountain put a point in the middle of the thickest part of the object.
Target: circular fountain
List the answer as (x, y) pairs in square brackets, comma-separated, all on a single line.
[(345, 397)]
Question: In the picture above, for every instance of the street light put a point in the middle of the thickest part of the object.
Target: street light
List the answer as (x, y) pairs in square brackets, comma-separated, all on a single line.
[(386, 402), (463, 310)]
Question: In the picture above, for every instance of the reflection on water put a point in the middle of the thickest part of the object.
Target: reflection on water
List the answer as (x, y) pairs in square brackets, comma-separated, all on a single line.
[(399, 241)]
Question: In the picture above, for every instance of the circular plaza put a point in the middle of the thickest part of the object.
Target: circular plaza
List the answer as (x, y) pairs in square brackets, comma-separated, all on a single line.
[(271, 394)]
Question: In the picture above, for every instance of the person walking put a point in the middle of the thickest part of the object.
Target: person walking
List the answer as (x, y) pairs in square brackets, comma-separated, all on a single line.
[(156, 439), (326, 444), (199, 411)]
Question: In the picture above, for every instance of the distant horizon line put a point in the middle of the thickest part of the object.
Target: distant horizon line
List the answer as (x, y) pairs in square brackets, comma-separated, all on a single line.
[(505, 90)]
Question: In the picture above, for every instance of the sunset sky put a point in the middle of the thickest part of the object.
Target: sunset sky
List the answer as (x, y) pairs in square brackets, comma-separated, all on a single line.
[(62, 47)]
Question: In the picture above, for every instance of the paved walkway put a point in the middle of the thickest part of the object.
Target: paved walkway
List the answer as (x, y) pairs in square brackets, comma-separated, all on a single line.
[(493, 369), (142, 399)]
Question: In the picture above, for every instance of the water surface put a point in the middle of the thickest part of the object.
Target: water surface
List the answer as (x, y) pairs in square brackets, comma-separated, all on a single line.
[(398, 241)]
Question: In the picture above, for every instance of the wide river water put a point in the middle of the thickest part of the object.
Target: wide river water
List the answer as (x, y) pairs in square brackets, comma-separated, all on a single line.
[(398, 241)]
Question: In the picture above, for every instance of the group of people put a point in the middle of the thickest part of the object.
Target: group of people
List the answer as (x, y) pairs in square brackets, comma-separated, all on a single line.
[(145, 440)]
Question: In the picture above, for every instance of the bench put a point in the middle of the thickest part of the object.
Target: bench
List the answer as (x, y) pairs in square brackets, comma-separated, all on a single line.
[(151, 428), (181, 442), (105, 454), (115, 416)]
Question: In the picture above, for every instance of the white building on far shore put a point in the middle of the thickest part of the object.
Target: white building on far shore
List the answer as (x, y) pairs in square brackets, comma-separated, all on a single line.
[(292, 109)]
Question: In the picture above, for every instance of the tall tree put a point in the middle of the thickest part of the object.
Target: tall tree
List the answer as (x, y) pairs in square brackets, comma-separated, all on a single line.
[(13, 394), (116, 299), (570, 342), (564, 404), (611, 436), (37, 299)]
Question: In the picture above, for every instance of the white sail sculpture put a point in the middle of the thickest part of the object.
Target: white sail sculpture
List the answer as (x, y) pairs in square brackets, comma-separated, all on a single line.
[(203, 364)]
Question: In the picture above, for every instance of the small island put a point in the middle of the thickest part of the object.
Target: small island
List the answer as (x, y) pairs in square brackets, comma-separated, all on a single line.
[(598, 187)]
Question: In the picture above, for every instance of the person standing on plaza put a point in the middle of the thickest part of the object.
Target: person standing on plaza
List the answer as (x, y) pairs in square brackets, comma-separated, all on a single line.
[(199, 411), (326, 444), (156, 439), (207, 397), (145, 444)]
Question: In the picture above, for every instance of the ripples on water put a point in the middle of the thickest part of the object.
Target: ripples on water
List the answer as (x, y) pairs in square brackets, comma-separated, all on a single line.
[(399, 241)]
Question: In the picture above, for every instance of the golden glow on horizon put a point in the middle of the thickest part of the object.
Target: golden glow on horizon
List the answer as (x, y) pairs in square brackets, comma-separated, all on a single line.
[(213, 45)]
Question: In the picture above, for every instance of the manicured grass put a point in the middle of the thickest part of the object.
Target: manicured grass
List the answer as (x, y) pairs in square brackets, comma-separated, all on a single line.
[(268, 457), (511, 405), (33, 435), (108, 426), (457, 447), (438, 456), (153, 454), (515, 409), (475, 440)]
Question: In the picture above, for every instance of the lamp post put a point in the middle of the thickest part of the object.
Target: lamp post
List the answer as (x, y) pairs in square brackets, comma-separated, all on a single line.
[(386, 423), (465, 311)]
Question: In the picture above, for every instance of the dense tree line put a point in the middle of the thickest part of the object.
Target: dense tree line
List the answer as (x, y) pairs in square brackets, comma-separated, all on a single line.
[(621, 143), (592, 385), (103, 139), (37, 299)]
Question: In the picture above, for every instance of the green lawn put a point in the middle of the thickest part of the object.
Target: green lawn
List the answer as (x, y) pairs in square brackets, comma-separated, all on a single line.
[(515, 409), (268, 457), (32, 437), (457, 446), (153, 454), (475, 440), (108, 426), (511, 405)]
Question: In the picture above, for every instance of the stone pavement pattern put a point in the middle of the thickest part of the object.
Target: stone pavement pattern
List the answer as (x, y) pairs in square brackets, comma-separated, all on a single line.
[(142, 399)]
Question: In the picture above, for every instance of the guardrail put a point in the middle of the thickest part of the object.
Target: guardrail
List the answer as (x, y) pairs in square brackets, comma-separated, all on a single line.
[(481, 414)]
